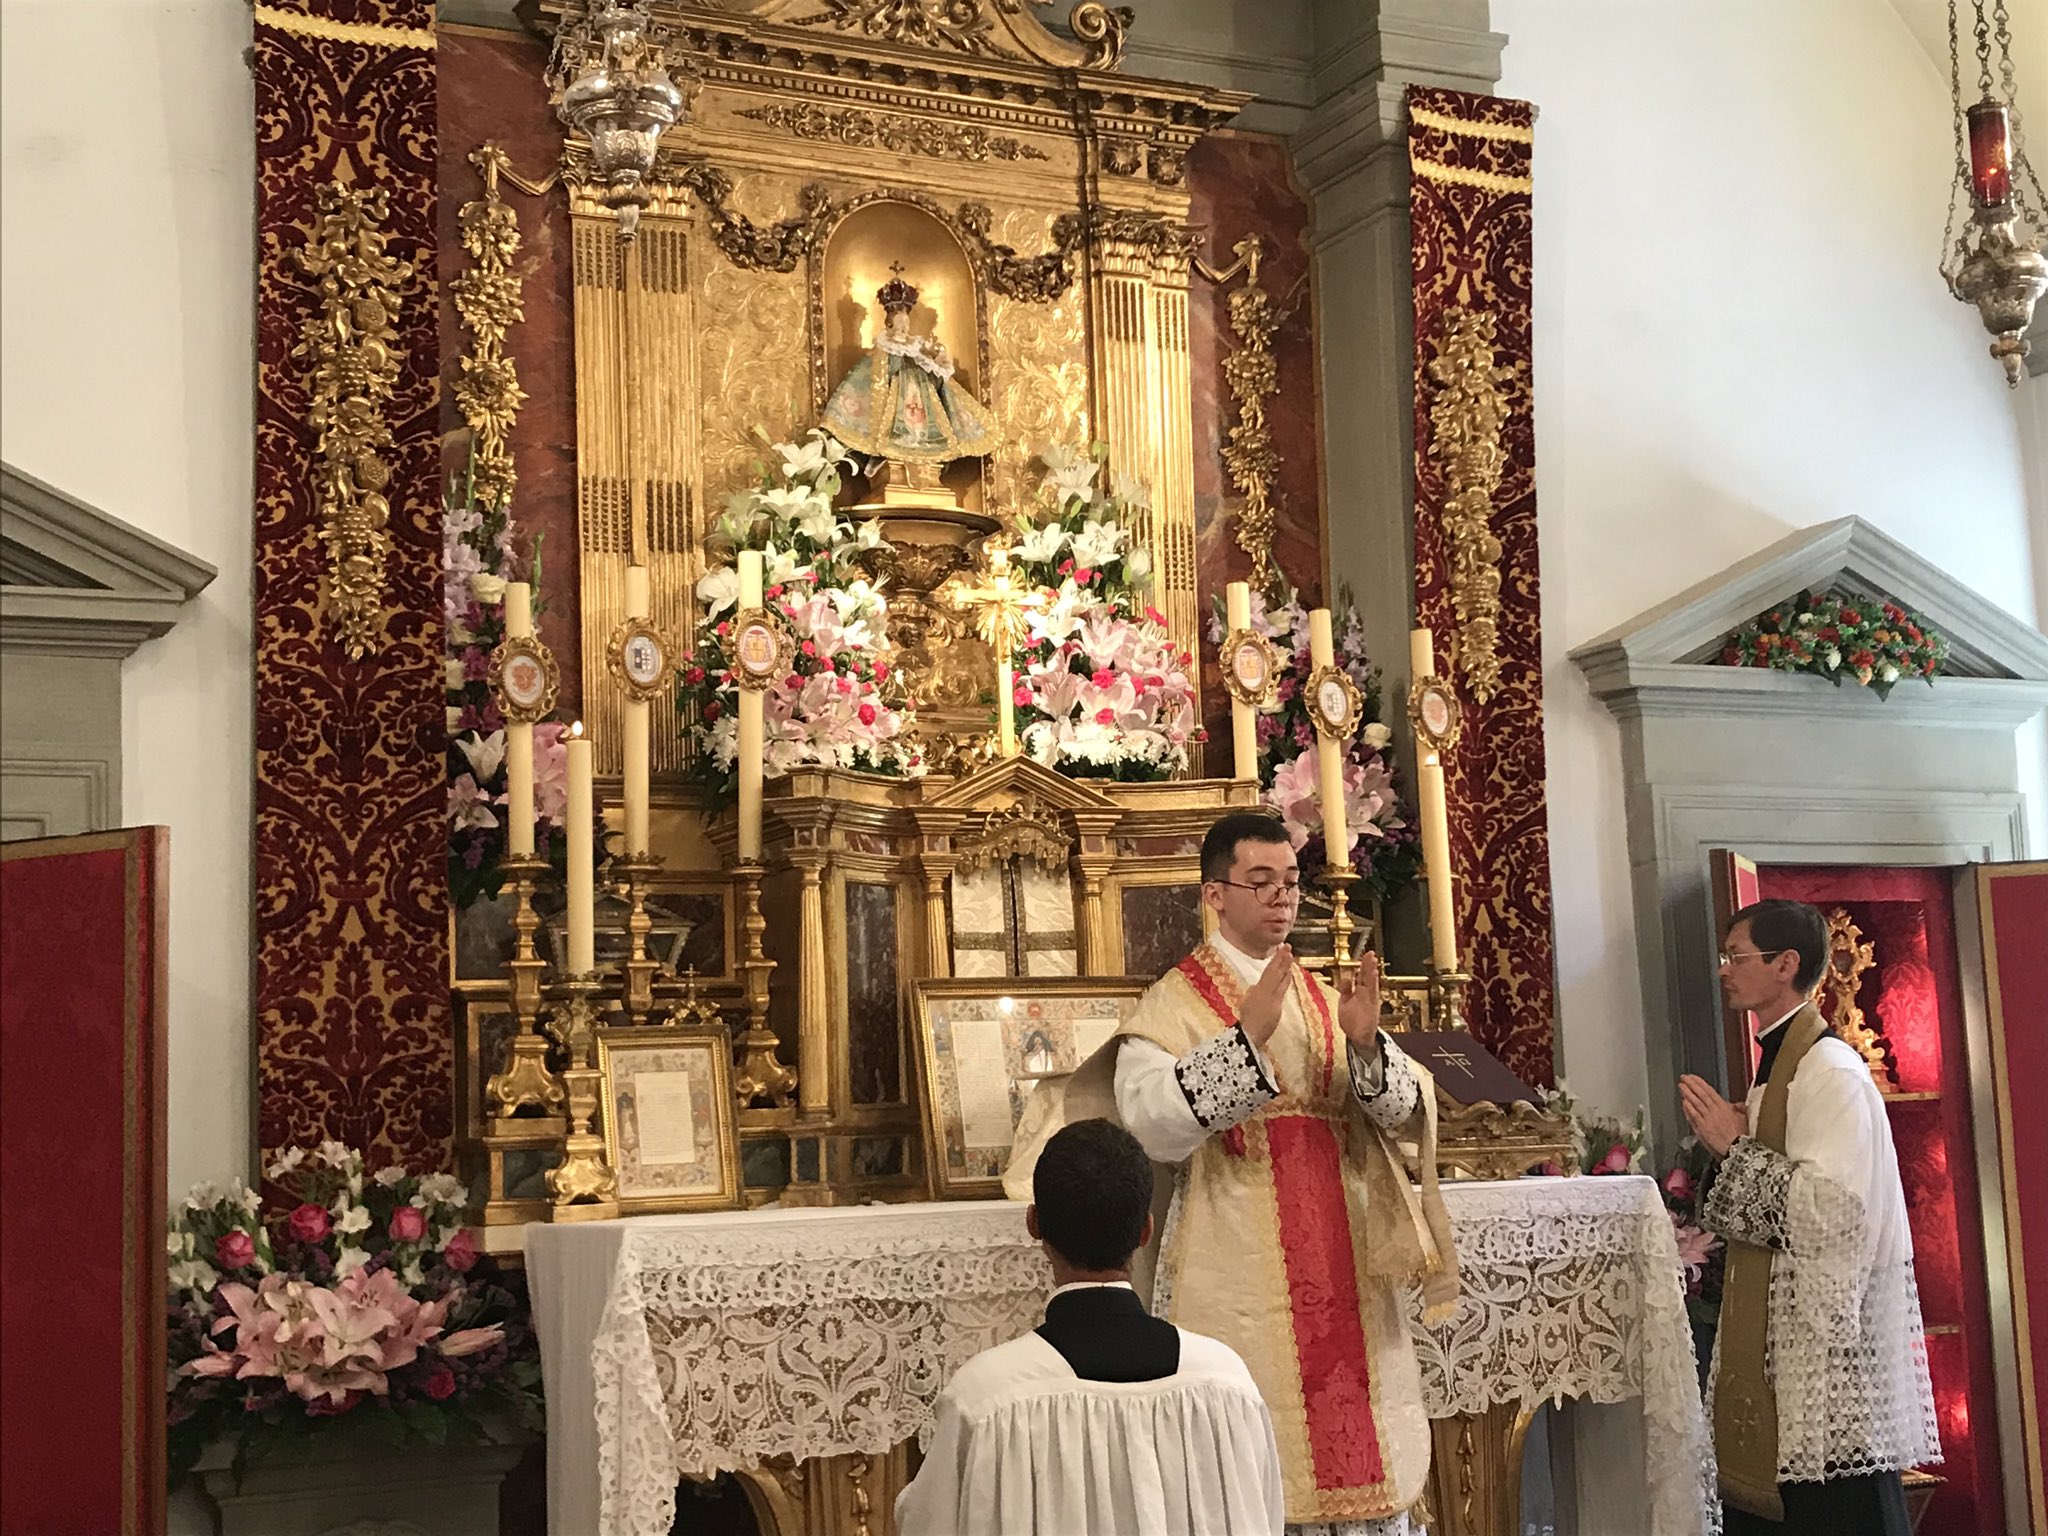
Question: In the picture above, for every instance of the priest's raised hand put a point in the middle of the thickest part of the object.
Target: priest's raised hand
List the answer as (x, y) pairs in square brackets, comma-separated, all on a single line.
[(1265, 998)]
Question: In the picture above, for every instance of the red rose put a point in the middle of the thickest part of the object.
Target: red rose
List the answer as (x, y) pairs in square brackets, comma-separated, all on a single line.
[(694, 675), (1084, 575), (1105, 717), (1678, 1184), (776, 590), (234, 1249), (881, 671), (408, 1224), (440, 1383), (1731, 657), (1830, 633), (795, 679), (460, 1254), (867, 714), (308, 1223), (809, 648), (1616, 1160), (1103, 677), (1851, 616), (713, 709)]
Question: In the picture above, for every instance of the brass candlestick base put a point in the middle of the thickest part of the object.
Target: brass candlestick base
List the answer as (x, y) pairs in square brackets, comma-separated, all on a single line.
[(1343, 964), (1447, 999), (631, 873), (525, 1081), (584, 1186), (762, 1078)]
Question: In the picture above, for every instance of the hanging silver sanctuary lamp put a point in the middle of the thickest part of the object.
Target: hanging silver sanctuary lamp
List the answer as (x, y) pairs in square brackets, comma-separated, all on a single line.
[(1996, 262), (613, 86)]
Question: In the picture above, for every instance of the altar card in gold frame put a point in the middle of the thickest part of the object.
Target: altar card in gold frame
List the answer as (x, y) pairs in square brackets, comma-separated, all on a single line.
[(985, 1043), (668, 1118)]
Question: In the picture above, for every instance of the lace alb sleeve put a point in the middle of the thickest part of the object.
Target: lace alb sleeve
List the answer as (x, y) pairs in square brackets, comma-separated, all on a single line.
[(1385, 1084), (1747, 1199), (1223, 1080)]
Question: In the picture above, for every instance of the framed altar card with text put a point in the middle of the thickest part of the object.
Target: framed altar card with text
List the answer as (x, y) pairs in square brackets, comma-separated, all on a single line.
[(985, 1043), (668, 1118)]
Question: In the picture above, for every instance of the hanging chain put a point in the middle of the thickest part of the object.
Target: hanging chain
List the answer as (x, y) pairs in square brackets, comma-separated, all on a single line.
[(1983, 30), (1950, 264), (2022, 168)]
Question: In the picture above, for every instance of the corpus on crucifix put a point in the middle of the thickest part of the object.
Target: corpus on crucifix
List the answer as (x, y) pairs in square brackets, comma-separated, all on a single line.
[(1000, 606)]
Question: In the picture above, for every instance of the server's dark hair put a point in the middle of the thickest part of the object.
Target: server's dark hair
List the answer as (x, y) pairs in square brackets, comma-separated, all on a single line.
[(1778, 925), (1093, 1189), (1219, 847)]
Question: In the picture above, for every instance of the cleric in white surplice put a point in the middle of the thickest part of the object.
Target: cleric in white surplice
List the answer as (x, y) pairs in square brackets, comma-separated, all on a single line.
[(1820, 1393), (1106, 1421)]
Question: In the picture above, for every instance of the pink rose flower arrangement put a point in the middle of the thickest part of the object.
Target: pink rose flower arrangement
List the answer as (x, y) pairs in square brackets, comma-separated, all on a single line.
[(351, 1294)]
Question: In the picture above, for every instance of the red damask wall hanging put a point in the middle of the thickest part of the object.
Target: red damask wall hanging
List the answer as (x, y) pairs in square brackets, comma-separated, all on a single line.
[(353, 1034), (1475, 545)]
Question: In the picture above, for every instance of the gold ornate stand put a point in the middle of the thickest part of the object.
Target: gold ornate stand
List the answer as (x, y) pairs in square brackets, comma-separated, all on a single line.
[(630, 876), (584, 1186), (762, 1079), (1343, 964)]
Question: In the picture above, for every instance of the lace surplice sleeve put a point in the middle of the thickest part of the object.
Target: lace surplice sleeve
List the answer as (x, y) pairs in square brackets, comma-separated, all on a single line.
[(1385, 1084), (1173, 1104)]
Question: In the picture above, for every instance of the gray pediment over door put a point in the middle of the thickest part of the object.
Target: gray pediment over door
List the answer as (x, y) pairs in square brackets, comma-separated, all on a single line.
[(79, 591), (1790, 769)]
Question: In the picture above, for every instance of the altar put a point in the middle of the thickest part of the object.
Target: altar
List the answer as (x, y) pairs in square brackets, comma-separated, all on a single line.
[(803, 1350)]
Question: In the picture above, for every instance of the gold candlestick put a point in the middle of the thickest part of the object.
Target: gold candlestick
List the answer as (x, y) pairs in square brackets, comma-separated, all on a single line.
[(762, 1077), (584, 1187), (631, 873), (1447, 999), (525, 1080), (1343, 964)]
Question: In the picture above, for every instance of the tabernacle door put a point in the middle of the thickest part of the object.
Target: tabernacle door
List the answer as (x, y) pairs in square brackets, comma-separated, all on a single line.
[(82, 989), (1735, 885)]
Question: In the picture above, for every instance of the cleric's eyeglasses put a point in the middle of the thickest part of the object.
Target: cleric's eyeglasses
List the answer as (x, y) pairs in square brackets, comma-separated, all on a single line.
[(1728, 958), (1272, 892)]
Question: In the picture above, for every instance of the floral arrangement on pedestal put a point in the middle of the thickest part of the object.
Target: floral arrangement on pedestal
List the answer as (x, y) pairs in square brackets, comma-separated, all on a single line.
[(1101, 690), (478, 557), (356, 1306), (840, 705), (1386, 848), (1876, 642)]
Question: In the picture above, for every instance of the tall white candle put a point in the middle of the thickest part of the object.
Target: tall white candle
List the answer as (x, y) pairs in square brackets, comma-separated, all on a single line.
[(1244, 720), (1329, 752), (580, 830), (752, 736), (518, 738), (637, 753), (1436, 825)]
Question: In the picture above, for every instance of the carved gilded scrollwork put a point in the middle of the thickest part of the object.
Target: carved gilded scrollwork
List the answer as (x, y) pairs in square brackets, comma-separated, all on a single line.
[(887, 130), (487, 297), (775, 248), (1034, 279), (1465, 438), (352, 354), (1849, 956), (1104, 28), (963, 24), (1252, 371)]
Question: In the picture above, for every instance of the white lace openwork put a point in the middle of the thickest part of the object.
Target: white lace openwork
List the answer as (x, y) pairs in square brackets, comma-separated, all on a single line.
[(1222, 1081), (1845, 1349), (723, 1345), (1386, 1086)]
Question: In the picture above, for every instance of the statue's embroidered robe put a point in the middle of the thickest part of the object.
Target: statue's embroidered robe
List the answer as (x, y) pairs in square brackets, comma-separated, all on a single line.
[(1292, 1227)]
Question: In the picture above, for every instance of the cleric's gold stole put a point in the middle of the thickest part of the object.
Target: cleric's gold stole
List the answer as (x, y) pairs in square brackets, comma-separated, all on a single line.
[(1745, 1402), (1294, 1236)]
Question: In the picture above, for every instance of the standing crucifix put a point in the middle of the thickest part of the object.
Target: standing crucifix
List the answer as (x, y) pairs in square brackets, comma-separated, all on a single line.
[(1000, 607)]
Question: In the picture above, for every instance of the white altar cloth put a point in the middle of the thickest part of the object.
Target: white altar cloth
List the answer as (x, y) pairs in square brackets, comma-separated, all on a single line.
[(675, 1344)]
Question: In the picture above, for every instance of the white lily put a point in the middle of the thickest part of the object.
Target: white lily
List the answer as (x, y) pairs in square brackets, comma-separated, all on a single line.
[(799, 459), (486, 754), (1042, 545), (1097, 544), (1138, 566), (718, 590)]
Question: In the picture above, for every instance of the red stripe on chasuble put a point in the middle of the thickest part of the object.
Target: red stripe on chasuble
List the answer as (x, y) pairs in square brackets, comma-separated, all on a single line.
[(1329, 1032), (1322, 1287), (1206, 988)]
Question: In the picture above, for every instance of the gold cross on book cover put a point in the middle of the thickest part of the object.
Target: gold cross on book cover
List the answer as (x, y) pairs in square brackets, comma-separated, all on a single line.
[(1463, 1068)]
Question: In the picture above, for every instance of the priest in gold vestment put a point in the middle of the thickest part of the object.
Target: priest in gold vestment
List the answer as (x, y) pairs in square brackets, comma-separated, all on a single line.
[(1293, 1229)]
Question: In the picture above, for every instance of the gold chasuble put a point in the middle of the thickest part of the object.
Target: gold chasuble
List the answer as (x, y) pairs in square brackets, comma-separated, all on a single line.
[(1291, 1236)]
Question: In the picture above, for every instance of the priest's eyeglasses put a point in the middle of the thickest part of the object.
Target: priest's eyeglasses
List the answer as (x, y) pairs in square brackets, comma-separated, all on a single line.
[(1270, 892), (1730, 957)]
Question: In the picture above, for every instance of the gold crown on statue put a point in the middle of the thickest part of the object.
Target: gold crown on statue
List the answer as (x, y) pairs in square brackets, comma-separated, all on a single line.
[(896, 295)]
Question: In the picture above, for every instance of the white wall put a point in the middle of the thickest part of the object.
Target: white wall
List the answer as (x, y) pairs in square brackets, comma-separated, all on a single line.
[(1739, 331), (127, 287)]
